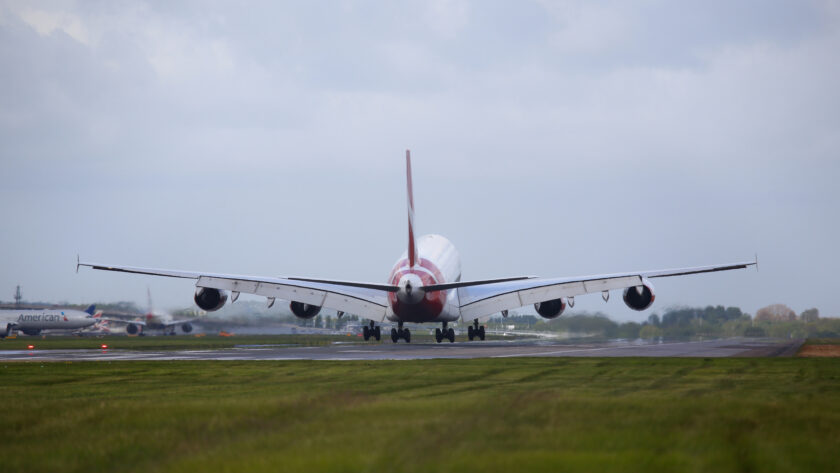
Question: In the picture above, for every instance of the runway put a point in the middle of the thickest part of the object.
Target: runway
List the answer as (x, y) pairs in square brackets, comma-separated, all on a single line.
[(418, 351)]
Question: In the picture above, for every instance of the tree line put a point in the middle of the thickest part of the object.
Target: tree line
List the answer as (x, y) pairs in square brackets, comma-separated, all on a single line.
[(689, 322)]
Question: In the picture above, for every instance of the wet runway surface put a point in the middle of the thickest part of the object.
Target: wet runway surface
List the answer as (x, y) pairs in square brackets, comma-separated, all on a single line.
[(415, 351)]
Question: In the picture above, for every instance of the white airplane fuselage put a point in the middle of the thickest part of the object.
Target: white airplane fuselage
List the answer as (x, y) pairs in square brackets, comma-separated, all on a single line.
[(437, 262), (45, 319)]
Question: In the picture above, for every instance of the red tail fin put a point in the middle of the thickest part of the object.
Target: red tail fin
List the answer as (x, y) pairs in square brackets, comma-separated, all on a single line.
[(412, 245)]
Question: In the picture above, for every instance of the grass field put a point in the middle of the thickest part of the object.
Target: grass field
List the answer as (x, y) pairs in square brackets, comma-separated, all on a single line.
[(822, 341), (537, 414), (820, 347)]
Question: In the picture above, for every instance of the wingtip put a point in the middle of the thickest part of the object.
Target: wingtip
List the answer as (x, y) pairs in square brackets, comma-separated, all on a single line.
[(77, 263), (756, 262)]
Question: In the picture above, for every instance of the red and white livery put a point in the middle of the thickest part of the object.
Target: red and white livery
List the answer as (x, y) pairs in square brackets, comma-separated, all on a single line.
[(423, 286)]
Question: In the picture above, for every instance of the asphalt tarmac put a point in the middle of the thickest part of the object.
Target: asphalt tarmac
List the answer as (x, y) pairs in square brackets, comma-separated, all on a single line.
[(415, 351)]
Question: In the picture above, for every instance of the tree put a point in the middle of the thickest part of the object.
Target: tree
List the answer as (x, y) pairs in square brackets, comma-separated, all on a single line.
[(653, 319), (754, 332), (775, 312), (522, 321), (649, 332), (629, 330), (810, 315)]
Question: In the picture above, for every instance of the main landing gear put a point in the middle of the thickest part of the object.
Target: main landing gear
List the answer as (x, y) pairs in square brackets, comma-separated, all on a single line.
[(371, 331), (474, 331), (447, 333), (400, 332)]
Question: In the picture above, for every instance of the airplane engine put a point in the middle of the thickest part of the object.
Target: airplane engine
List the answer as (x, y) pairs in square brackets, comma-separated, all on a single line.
[(639, 300), (303, 310), (132, 329), (550, 309), (210, 299), (186, 327)]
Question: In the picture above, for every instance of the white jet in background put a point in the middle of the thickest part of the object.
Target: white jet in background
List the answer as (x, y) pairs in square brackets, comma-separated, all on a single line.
[(152, 320), (33, 321), (424, 286)]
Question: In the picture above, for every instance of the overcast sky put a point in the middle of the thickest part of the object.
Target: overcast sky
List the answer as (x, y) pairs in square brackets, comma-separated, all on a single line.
[(548, 138)]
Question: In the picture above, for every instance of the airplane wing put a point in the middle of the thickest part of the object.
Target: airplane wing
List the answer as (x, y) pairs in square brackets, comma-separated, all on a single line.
[(367, 300), (483, 300), (123, 321), (182, 321)]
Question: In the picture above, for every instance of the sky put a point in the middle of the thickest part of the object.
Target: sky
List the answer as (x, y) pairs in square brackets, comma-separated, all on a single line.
[(548, 138)]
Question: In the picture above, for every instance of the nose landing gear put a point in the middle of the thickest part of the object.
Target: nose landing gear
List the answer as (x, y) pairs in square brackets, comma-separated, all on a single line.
[(371, 331), (475, 331), (400, 332), (447, 333)]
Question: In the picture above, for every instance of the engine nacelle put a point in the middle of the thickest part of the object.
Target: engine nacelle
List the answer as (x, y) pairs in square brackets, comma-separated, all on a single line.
[(303, 310), (639, 300), (132, 329), (210, 299), (186, 327), (550, 309)]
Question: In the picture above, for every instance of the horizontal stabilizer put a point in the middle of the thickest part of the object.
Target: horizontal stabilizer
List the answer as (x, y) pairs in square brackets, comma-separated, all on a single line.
[(454, 285), (364, 285)]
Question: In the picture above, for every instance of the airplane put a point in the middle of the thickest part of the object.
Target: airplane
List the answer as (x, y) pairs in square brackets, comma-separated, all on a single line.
[(33, 321), (424, 285), (153, 320)]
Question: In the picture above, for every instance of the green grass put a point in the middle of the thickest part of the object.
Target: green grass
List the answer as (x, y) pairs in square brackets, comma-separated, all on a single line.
[(822, 341), (488, 415)]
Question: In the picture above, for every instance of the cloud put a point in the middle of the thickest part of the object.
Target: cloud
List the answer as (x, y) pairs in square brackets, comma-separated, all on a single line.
[(606, 135), (587, 28), (447, 17), (46, 22)]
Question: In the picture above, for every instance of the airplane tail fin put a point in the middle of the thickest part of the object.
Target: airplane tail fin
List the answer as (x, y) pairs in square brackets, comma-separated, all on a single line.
[(90, 310), (412, 243), (102, 326)]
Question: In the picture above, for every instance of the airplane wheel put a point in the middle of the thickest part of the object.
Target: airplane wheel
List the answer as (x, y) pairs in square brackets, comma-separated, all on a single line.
[(438, 335), (366, 332), (481, 333), (377, 333), (394, 335), (407, 336), (470, 332), (451, 335)]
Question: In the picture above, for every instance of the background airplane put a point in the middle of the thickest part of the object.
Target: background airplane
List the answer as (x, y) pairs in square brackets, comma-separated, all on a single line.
[(424, 285), (33, 321), (152, 320)]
